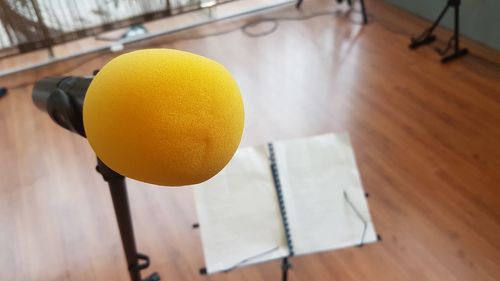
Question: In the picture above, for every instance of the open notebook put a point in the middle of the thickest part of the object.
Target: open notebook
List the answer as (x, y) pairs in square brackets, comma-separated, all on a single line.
[(281, 199)]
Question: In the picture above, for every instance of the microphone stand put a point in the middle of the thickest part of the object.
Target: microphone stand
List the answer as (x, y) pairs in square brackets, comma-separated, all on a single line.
[(453, 45), (62, 98), (118, 188)]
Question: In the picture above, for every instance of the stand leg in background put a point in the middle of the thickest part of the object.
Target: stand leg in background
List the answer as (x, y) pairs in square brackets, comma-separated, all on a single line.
[(362, 3), (427, 37), (3, 91), (363, 11), (453, 44), (285, 267), (457, 52)]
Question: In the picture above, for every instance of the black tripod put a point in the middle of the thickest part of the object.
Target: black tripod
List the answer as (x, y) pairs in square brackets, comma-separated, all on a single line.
[(453, 44), (118, 188)]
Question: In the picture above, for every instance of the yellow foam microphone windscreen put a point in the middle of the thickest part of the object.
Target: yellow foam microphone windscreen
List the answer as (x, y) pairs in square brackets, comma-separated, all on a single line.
[(163, 116)]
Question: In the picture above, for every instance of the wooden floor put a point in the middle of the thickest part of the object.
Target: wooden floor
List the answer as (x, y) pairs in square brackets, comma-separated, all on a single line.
[(426, 135)]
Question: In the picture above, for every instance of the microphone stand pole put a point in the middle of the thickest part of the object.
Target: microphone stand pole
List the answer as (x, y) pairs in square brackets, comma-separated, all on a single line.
[(118, 188)]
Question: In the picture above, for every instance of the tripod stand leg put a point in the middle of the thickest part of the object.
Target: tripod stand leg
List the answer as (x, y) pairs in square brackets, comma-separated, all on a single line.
[(363, 11), (118, 189), (122, 212), (454, 43), (3, 91), (427, 37), (455, 55), (456, 32)]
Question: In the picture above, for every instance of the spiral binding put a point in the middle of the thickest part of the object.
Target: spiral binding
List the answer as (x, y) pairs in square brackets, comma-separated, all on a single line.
[(281, 201)]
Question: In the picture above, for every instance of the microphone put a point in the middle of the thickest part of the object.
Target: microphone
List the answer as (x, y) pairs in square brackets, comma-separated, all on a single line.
[(160, 116)]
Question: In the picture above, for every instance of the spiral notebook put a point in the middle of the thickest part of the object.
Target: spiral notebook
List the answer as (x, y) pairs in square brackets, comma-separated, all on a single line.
[(283, 199)]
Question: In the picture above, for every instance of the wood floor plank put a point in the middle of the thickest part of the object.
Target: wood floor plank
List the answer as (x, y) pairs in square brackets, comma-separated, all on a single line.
[(426, 138)]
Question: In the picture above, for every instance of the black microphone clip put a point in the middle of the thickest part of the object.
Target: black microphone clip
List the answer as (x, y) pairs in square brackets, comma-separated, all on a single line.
[(62, 98)]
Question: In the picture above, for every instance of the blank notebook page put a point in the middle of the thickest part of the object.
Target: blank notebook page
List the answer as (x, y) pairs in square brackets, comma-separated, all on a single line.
[(315, 172), (240, 220)]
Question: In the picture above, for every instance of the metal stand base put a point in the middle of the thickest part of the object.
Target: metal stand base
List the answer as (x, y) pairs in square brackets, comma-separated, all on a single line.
[(415, 43), (135, 261), (456, 54), (453, 44)]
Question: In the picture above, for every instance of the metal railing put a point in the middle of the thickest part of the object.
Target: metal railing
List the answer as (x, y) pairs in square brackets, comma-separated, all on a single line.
[(27, 25)]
